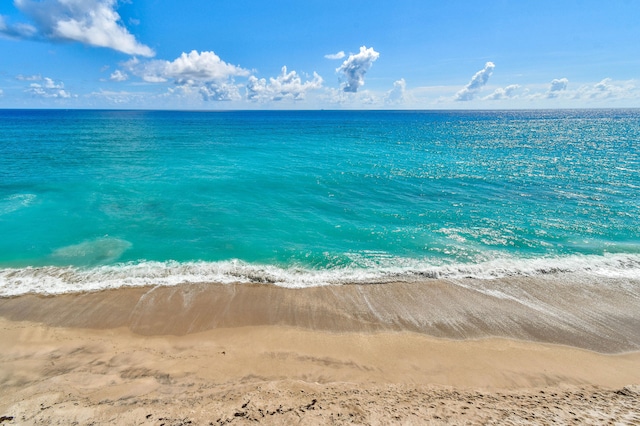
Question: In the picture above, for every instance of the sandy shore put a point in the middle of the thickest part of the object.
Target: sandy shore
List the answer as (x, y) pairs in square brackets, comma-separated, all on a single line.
[(209, 354)]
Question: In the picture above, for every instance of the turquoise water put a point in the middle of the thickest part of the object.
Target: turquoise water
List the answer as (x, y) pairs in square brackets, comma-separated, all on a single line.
[(96, 199)]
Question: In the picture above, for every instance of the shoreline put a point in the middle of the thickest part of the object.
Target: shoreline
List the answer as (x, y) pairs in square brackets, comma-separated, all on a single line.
[(600, 317), (220, 354)]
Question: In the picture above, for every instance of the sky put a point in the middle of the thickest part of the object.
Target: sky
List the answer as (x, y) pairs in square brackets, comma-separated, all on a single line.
[(319, 54)]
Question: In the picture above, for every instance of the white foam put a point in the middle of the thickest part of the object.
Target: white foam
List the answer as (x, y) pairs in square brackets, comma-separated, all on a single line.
[(57, 280)]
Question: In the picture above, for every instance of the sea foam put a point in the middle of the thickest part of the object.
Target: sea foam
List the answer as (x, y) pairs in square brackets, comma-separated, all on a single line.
[(58, 280)]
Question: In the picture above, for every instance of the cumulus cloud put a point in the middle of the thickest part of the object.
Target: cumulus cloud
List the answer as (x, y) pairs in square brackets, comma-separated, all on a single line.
[(355, 67), (118, 75), (397, 94), (92, 22), (608, 89), (48, 89), (502, 93), (203, 71), (338, 55), (205, 66), (219, 91), (556, 86), (478, 81), (287, 85)]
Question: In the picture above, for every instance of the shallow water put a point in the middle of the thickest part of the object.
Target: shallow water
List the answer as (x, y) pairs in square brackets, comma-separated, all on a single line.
[(99, 199)]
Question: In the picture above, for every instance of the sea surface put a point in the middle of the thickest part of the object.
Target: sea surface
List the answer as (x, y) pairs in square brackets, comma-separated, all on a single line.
[(102, 199)]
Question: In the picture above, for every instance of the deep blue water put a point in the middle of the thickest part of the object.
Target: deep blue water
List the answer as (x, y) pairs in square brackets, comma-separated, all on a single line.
[(92, 199)]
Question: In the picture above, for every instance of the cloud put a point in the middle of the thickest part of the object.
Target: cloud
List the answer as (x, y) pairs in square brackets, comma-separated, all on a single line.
[(205, 66), (92, 22), (48, 89), (397, 94), (557, 85), (36, 77), (1, 92), (338, 55), (608, 89), (478, 81), (502, 93), (355, 67), (216, 91), (18, 31), (120, 98), (288, 85), (118, 75), (203, 71)]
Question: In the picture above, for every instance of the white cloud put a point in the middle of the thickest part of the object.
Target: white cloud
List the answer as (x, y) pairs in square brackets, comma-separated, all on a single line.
[(92, 22), (478, 81), (118, 75), (120, 98), (288, 85), (356, 66), (203, 71), (557, 85), (48, 89), (604, 86), (1, 92), (338, 55), (608, 89), (397, 94), (219, 91), (21, 77), (502, 93), (205, 66)]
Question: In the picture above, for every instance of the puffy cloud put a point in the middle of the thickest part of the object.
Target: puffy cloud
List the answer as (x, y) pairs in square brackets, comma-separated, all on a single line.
[(203, 71), (338, 55), (608, 89), (355, 67), (502, 93), (216, 91), (397, 94), (557, 85), (48, 89), (118, 75), (205, 66), (478, 81), (188, 68), (92, 22), (288, 85)]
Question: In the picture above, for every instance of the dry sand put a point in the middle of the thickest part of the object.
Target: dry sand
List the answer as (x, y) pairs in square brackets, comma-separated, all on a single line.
[(208, 354)]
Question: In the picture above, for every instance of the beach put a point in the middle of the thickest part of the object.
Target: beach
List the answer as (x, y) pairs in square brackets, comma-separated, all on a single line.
[(221, 354), (319, 267)]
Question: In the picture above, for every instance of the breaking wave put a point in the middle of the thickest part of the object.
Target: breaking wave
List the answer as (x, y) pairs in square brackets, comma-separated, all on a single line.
[(70, 279)]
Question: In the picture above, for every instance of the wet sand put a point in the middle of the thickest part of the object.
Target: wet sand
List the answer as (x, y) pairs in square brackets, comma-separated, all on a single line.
[(441, 353)]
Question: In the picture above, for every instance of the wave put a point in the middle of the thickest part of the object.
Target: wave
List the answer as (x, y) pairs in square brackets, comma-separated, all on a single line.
[(58, 280)]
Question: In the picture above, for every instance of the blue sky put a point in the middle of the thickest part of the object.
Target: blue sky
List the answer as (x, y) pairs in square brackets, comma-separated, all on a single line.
[(311, 54)]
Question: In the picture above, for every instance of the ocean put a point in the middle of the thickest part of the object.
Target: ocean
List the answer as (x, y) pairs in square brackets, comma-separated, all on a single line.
[(92, 200)]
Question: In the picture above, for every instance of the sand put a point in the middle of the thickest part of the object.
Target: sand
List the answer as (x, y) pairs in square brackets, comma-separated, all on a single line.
[(214, 354)]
